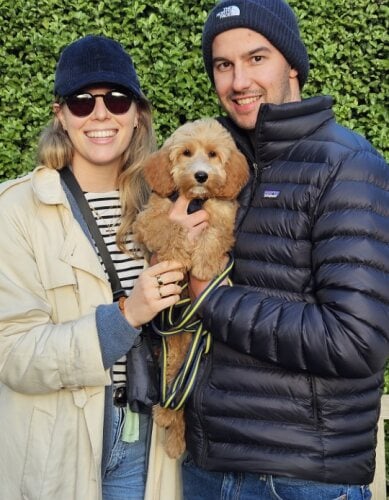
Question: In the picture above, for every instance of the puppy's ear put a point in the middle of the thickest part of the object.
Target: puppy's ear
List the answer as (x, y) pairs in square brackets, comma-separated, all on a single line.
[(157, 174), (237, 174)]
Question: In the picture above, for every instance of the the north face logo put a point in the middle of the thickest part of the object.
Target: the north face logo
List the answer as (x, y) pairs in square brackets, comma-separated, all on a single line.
[(233, 10)]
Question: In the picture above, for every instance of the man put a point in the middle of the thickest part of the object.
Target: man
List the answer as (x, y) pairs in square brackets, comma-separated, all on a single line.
[(287, 402)]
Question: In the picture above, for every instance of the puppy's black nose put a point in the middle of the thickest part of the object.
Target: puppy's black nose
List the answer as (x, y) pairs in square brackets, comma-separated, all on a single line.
[(201, 177)]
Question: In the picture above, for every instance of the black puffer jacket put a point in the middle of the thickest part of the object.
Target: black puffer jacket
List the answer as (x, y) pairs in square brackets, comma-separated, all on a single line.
[(292, 385)]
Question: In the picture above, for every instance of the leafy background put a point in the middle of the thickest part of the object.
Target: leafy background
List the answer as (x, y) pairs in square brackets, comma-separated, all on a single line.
[(346, 42)]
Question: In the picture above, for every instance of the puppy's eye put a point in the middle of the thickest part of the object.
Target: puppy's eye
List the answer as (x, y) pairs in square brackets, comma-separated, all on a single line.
[(212, 154), (187, 152)]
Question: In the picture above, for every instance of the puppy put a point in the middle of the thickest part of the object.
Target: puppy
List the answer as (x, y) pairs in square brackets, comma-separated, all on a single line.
[(201, 161)]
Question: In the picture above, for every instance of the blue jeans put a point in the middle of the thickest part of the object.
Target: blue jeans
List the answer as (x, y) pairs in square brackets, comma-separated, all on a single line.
[(200, 484), (125, 478)]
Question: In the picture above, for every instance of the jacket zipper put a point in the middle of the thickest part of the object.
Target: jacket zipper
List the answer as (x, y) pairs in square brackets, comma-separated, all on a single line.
[(256, 173), (252, 192), (315, 411), (196, 403)]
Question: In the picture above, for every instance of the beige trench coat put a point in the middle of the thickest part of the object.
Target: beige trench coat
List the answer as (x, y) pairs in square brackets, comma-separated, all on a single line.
[(51, 373)]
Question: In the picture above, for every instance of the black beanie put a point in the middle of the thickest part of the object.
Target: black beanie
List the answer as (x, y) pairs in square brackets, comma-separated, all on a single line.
[(273, 19), (94, 60)]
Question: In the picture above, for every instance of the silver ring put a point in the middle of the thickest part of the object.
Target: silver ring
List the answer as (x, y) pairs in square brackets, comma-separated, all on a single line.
[(159, 280)]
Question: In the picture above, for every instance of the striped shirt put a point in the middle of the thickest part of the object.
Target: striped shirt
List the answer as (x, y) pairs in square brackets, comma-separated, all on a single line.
[(106, 210)]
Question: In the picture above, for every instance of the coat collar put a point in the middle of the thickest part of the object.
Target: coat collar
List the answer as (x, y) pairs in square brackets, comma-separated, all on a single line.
[(280, 126), (76, 251), (47, 187)]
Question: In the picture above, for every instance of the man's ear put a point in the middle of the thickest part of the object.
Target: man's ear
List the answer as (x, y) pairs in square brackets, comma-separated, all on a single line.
[(294, 85)]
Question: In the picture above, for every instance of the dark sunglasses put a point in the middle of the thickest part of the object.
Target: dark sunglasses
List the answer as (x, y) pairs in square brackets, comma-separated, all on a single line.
[(84, 103)]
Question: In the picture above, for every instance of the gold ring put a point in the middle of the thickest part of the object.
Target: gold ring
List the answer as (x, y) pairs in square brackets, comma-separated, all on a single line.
[(159, 280), (160, 293)]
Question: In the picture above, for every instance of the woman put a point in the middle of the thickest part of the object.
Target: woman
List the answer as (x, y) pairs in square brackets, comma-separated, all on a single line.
[(63, 341)]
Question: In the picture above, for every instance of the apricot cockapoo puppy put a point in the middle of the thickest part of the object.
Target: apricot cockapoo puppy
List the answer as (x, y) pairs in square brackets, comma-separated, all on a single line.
[(201, 161)]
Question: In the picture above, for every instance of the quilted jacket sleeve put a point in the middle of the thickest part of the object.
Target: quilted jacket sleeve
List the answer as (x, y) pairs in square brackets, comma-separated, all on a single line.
[(344, 330)]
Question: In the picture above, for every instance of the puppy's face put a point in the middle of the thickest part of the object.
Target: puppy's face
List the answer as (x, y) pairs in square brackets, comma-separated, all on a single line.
[(202, 161), (198, 164)]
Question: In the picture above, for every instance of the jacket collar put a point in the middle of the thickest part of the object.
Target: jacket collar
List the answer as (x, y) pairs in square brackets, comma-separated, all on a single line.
[(47, 187), (280, 126), (77, 251)]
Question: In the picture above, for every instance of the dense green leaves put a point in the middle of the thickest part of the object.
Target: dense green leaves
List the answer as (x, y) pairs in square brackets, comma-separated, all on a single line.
[(346, 47), (346, 42)]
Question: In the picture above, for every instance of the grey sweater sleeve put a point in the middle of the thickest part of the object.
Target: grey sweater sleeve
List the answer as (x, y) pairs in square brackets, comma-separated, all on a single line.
[(116, 335)]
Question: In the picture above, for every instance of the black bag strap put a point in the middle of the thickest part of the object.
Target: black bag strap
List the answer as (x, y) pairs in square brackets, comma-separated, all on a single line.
[(71, 182)]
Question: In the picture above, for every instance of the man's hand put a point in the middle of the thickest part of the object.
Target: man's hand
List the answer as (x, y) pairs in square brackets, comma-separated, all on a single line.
[(195, 223)]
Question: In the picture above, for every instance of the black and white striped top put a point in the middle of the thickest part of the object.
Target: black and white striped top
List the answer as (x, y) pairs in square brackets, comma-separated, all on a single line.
[(107, 213)]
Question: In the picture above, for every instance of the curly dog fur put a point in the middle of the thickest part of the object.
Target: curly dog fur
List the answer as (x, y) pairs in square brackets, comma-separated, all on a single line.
[(201, 161)]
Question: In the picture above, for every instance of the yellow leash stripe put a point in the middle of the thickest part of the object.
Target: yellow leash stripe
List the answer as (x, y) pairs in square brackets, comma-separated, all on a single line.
[(176, 320)]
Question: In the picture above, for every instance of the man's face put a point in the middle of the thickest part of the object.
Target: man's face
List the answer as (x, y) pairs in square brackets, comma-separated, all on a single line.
[(248, 71)]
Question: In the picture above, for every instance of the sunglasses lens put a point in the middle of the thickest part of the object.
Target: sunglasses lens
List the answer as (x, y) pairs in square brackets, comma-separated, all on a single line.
[(81, 104), (117, 103)]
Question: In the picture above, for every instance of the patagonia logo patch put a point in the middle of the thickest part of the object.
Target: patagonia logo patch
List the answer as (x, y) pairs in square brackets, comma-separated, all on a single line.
[(231, 11), (270, 193)]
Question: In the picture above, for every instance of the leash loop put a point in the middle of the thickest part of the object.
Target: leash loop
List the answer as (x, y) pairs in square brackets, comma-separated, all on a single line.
[(178, 319)]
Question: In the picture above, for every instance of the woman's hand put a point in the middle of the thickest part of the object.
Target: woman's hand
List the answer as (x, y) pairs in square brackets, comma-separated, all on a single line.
[(154, 290), (195, 223)]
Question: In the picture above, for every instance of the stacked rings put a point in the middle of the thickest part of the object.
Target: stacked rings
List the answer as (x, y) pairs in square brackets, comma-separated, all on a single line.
[(160, 283)]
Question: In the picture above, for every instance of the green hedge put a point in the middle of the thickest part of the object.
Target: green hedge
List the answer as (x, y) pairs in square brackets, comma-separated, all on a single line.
[(345, 41)]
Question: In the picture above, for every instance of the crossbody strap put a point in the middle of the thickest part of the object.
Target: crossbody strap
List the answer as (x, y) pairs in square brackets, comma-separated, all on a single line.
[(71, 182)]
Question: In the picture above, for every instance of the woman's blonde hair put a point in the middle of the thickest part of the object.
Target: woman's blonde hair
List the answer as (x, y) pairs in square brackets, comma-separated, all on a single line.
[(55, 150)]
